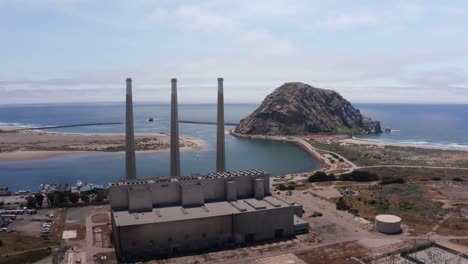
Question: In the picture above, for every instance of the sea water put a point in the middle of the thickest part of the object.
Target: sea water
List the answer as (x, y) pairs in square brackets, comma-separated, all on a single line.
[(443, 126), (274, 157)]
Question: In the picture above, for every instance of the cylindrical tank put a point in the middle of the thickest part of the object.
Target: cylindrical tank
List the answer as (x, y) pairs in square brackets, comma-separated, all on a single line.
[(388, 224)]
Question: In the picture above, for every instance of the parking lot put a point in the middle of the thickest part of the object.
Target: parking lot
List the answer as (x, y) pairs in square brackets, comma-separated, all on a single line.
[(32, 224)]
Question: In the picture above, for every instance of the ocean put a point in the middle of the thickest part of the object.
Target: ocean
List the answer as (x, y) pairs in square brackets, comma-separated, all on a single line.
[(442, 126), (274, 157)]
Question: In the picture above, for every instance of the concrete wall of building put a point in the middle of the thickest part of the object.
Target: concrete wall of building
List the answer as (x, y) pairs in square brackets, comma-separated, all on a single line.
[(139, 198), (118, 197), (170, 193), (263, 224), (192, 195), (259, 188), (231, 190), (174, 237), (163, 239)]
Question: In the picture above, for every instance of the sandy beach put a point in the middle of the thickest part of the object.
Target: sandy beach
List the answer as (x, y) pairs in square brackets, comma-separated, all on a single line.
[(34, 144)]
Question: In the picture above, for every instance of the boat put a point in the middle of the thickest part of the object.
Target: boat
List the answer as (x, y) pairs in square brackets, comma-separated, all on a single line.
[(151, 119), (388, 130)]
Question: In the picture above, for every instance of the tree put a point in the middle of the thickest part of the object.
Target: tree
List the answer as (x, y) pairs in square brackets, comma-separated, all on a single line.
[(85, 198), (100, 196), (73, 197), (39, 199), (30, 201), (1, 243), (321, 176)]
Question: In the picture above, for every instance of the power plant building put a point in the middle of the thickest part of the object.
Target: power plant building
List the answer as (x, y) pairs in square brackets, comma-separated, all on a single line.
[(162, 216)]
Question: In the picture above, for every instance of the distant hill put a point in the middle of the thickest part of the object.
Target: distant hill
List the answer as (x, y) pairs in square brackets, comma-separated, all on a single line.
[(299, 109)]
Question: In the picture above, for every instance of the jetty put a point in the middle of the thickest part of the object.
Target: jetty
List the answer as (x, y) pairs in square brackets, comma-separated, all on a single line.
[(66, 126), (205, 123)]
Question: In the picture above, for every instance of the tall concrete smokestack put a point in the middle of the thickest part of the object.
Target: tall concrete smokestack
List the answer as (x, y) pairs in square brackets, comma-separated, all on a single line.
[(175, 154), (220, 149), (130, 161)]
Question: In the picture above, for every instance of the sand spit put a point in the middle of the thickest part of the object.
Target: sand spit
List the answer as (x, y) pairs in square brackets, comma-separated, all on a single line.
[(35, 144)]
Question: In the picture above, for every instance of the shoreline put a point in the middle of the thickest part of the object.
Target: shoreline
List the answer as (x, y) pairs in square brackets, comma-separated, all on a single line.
[(322, 155), (28, 145), (360, 141)]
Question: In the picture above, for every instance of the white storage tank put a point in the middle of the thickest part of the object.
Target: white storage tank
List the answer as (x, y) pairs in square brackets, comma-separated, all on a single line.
[(388, 224)]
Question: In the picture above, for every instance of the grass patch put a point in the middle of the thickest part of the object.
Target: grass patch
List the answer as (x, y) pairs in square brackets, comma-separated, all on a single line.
[(27, 257), (14, 242)]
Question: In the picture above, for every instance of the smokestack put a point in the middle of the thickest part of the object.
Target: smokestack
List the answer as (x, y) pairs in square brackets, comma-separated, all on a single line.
[(175, 154), (130, 162), (220, 148)]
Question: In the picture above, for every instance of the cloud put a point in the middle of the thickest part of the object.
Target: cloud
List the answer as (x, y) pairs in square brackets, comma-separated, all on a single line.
[(349, 20), (440, 78)]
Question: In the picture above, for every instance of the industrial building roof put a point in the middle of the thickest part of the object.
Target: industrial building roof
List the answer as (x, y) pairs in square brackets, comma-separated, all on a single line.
[(186, 178), (178, 213)]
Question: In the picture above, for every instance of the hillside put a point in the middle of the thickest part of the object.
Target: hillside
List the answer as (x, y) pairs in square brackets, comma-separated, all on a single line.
[(300, 109)]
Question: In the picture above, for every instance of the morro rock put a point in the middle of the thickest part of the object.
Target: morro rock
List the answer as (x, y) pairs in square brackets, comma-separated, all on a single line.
[(299, 109)]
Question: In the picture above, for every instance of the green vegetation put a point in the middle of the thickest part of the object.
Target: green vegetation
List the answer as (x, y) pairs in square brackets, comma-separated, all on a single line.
[(341, 205), (369, 155), (392, 180), (457, 179), (27, 257), (289, 186), (1, 243), (359, 176), (321, 176), (34, 201), (348, 130)]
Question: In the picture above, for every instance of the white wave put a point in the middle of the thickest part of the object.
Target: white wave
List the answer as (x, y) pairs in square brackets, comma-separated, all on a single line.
[(12, 124), (427, 144)]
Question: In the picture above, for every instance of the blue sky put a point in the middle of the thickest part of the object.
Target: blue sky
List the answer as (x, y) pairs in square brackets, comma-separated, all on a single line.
[(369, 51)]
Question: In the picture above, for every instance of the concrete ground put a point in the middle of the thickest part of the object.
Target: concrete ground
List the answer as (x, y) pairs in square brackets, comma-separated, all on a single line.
[(84, 249), (24, 224)]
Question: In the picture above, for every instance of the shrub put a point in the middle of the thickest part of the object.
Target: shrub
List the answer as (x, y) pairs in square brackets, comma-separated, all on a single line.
[(341, 205), (1, 243), (457, 179), (359, 176), (436, 178), (392, 180), (281, 187), (407, 206), (321, 176), (290, 187)]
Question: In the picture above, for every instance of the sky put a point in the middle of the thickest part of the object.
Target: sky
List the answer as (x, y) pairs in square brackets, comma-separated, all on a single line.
[(55, 51)]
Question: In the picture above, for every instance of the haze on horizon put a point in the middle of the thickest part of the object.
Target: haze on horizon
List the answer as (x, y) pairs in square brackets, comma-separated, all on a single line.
[(369, 51)]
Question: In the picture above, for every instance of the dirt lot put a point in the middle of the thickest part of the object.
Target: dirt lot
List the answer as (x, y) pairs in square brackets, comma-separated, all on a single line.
[(100, 218), (57, 227), (101, 236), (463, 242), (336, 254)]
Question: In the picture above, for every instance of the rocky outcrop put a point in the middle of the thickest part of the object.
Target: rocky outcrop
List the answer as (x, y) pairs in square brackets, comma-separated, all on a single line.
[(300, 109)]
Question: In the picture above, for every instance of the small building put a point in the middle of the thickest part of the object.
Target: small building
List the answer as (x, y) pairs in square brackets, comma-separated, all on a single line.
[(4, 191), (388, 224), (91, 188)]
